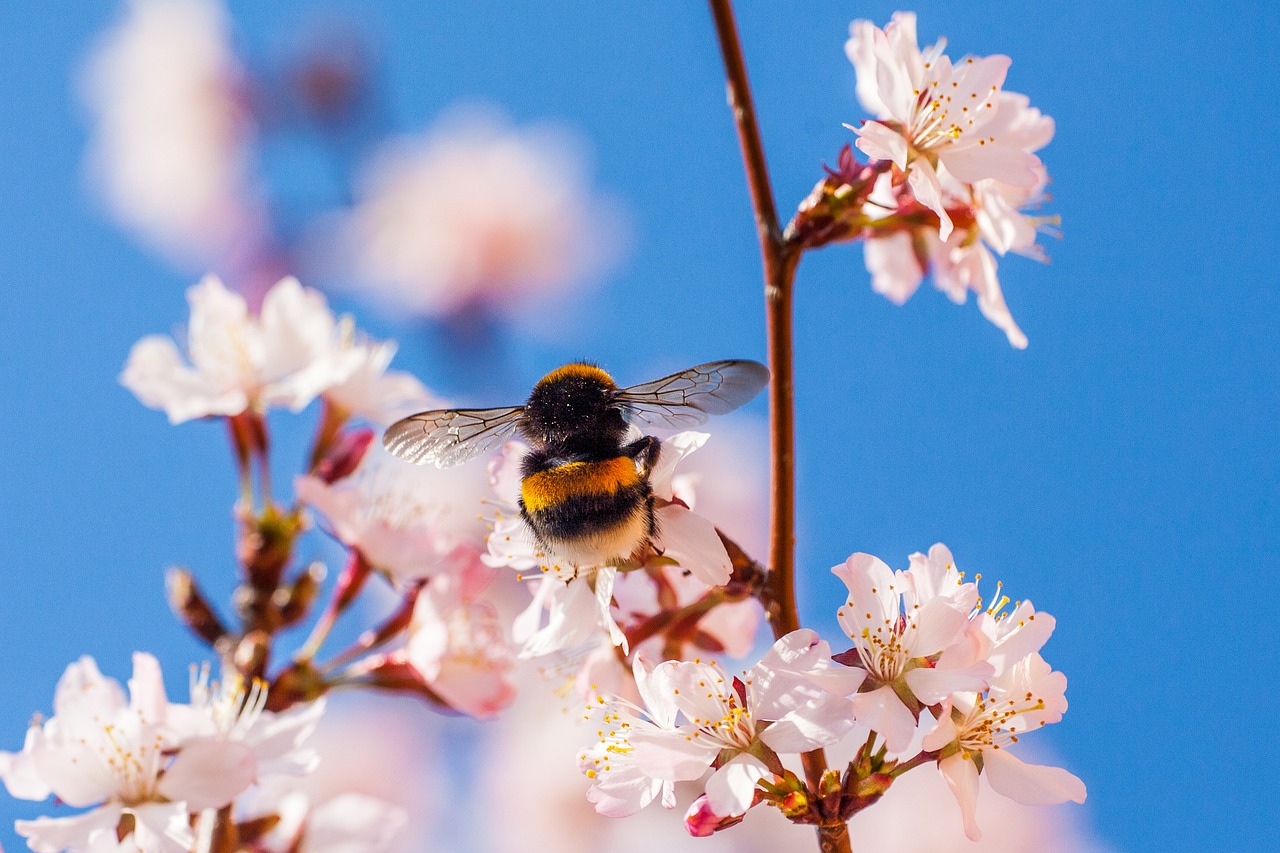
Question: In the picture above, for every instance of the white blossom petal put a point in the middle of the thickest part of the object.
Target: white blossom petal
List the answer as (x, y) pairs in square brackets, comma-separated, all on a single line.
[(1030, 784)]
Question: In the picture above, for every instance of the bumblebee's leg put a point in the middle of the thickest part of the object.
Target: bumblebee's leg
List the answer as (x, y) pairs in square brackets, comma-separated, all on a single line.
[(645, 451)]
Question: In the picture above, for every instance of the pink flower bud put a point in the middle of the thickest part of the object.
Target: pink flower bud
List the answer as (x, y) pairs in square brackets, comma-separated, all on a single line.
[(700, 821), (344, 456)]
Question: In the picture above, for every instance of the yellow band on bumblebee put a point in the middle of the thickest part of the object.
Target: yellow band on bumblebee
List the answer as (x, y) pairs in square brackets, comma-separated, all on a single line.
[(552, 487)]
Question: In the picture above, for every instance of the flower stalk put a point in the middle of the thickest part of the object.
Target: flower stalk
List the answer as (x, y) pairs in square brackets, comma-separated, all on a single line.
[(780, 260)]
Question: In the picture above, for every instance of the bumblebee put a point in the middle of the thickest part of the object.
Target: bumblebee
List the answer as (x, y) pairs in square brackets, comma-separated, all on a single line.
[(584, 487)]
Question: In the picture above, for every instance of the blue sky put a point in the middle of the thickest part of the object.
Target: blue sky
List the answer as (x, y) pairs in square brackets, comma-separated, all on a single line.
[(1121, 472)]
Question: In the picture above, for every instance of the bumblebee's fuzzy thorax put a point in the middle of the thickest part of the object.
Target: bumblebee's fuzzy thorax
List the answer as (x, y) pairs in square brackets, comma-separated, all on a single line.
[(573, 407)]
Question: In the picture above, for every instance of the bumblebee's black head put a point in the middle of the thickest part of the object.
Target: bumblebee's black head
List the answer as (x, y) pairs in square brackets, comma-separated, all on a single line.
[(573, 406)]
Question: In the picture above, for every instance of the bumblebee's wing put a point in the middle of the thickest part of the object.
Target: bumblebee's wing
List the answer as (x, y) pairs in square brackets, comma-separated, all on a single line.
[(450, 437), (686, 398)]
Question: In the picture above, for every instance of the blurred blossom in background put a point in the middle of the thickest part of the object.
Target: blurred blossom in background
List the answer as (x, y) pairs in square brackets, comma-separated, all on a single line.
[(172, 146), (475, 214), (471, 219)]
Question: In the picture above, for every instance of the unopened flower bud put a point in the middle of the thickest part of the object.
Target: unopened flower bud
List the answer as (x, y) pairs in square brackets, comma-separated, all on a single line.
[(343, 457), (351, 581), (191, 607), (298, 682), (265, 545), (251, 654), (863, 791), (701, 821), (294, 602), (833, 211)]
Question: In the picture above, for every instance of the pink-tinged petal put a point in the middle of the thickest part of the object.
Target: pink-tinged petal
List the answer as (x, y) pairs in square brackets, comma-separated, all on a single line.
[(991, 161), (674, 756), (860, 48), (973, 94), (822, 722), (1023, 632), (932, 685), (157, 375), (882, 711), (621, 790), (874, 594), (353, 823), (478, 694), (936, 575), (528, 622), (880, 142), (928, 191), (573, 618), (692, 541), (655, 688), (991, 298), (1018, 124), (1030, 784), (944, 732), (780, 682), (277, 740), (734, 625), (962, 778), (674, 449), (21, 776), (604, 580), (731, 789), (221, 338), (896, 271), (73, 767), (504, 471), (53, 835), (941, 624), (300, 336), (83, 696), (1001, 224), (700, 690), (146, 689), (162, 828), (208, 773)]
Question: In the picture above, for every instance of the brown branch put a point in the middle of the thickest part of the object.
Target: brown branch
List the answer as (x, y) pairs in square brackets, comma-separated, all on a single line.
[(780, 261)]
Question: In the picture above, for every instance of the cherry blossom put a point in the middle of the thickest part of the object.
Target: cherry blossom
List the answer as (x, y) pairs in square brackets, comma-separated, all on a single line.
[(975, 731), (933, 118), (458, 646), (791, 701), (286, 356), (351, 822), (902, 246), (409, 522), (371, 391), (475, 212), (170, 145), (121, 757), (234, 711), (901, 625)]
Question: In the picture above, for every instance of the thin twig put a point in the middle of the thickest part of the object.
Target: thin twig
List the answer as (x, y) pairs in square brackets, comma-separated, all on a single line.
[(780, 262), (779, 273)]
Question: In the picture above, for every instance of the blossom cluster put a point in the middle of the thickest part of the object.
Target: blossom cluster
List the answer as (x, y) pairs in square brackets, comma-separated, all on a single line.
[(921, 640), (953, 169), (149, 767)]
